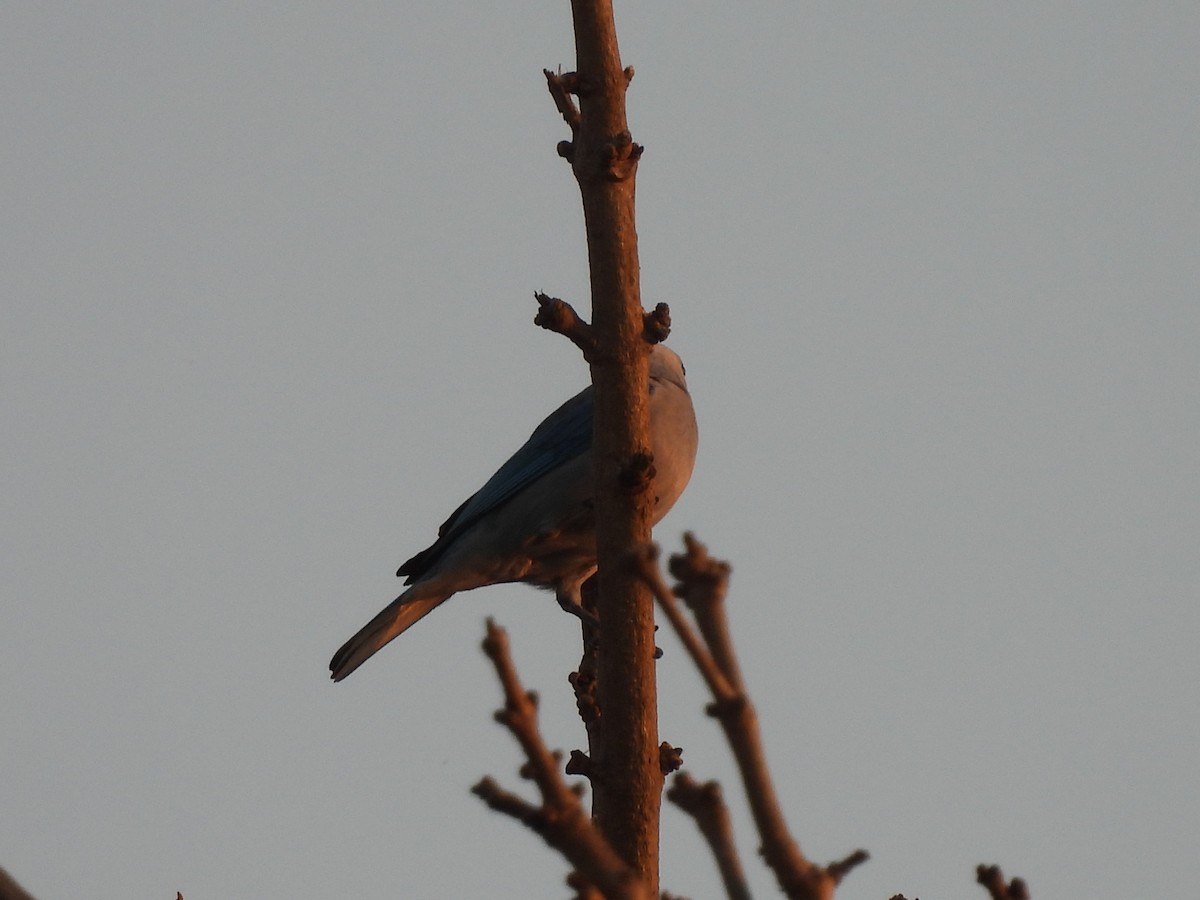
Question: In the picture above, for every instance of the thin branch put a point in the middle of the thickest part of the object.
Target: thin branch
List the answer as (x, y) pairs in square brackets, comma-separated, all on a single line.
[(706, 806), (10, 889), (842, 867), (561, 87), (718, 684), (560, 317), (993, 880), (514, 806), (560, 819), (703, 584)]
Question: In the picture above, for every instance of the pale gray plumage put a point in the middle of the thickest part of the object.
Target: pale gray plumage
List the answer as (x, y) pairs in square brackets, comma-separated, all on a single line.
[(532, 521)]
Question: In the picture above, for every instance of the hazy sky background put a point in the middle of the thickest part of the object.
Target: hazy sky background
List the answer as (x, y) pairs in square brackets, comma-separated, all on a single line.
[(267, 297)]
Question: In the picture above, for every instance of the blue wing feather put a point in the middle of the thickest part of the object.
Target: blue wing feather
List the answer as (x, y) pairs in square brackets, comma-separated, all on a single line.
[(562, 436)]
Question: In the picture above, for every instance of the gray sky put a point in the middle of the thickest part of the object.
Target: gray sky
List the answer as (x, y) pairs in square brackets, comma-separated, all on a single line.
[(267, 303)]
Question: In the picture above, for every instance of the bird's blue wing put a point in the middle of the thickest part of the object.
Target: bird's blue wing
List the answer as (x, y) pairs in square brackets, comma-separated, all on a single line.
[(562, 436)]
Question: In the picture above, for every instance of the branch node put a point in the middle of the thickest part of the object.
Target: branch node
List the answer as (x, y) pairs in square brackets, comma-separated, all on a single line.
[(620, 157), (637, 473), (584, 684), (628, 73), (579, 764), (656, 325), (670, 759)]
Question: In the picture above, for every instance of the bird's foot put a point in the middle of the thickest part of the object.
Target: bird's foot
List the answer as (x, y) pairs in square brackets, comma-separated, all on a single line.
[(571, 604)]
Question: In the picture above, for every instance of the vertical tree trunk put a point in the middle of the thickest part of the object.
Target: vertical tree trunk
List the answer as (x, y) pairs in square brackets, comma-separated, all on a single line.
[(627, 779)]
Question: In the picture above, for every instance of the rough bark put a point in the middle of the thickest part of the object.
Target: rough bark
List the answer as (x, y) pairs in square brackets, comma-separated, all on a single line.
[(626, 778)]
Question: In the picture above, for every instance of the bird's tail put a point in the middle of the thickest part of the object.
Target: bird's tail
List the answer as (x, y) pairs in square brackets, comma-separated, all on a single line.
[(396, 618)]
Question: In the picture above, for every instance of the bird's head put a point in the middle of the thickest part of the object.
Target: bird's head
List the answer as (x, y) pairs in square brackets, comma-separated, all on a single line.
[(665, 365)]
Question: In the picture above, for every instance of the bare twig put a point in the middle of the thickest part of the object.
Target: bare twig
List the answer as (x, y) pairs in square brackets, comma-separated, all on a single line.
[(10, 889), (703, 802), (993, 880), (703, 584), (560, 819), (718, 684), (561, 87), (560, 317), (842, 867)]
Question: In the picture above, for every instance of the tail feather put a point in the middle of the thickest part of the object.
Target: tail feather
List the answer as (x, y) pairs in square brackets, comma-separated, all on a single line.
[(396, 618)]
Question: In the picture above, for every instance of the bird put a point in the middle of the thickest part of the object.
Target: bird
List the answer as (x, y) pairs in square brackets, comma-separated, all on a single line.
[(533, 521)]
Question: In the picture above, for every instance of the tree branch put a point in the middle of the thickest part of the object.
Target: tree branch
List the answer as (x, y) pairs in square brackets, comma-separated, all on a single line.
[(561, 88), (10, 889), (993, 880), (560, 819), (704, 803), (703, 582), (718, 684), (559, 316)]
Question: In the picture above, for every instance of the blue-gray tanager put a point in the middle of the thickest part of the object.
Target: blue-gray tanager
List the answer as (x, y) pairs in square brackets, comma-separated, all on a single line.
[(533, 521)]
